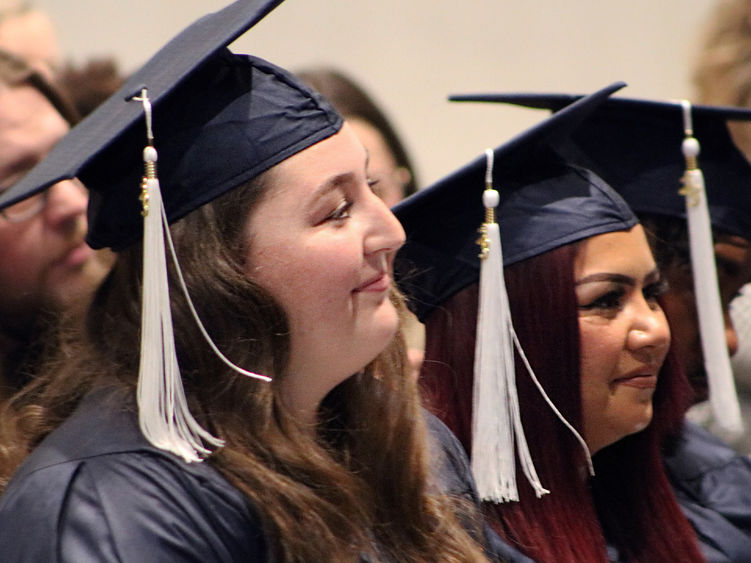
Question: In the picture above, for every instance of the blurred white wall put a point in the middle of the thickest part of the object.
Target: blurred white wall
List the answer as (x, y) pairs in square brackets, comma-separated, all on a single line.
[(411, 53)]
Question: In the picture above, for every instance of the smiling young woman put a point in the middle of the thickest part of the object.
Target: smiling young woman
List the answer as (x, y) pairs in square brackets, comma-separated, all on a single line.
[(637, 146), (576, 354), (584, 297), (624, 335), (276, 420), (329, 260)]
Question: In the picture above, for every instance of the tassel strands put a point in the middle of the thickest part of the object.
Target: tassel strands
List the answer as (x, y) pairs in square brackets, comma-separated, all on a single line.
[(163, 412), (164, 417), (722, 393), (496, 424), (497, 430)]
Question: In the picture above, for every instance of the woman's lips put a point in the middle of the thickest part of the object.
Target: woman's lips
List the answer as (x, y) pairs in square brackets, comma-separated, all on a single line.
[(377, 284), (640, 381)]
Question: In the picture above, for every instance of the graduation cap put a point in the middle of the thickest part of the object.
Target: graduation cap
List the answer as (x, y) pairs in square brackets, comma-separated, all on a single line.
[(635, 145), (542, 202), (210, 121), (219, 120), (649, 151)]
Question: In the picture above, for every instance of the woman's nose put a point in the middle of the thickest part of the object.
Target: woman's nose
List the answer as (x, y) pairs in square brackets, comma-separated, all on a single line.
[(385, 232), (650, 329)]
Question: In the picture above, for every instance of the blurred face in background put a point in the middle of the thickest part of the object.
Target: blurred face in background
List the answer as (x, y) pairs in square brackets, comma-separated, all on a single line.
[(45, 263), (733, 260), (30, 33)]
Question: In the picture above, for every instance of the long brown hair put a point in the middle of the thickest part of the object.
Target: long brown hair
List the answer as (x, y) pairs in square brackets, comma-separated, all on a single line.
[(629, 503), (360, 484)]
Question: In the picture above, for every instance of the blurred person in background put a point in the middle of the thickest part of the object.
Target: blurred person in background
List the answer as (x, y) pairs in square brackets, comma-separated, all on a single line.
[(722, 76), (45, 264), (29, 33)]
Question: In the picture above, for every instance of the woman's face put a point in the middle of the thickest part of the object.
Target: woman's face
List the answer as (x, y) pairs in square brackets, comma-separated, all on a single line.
[(733, 259), (624, 334), (322, 243)]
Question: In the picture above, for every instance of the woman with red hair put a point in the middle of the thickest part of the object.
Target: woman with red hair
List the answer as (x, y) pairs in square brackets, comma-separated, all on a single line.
[(584, 294)]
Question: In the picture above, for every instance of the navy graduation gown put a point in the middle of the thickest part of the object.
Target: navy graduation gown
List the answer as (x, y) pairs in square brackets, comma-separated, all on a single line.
[(712, 484), (96, 490)]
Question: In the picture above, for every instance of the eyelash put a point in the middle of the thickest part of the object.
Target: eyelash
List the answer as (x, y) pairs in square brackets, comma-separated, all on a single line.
[(341, 212), (613, 300)]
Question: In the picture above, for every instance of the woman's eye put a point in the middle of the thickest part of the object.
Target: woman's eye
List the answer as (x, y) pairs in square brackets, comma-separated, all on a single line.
[(341, 212), (611, 300)]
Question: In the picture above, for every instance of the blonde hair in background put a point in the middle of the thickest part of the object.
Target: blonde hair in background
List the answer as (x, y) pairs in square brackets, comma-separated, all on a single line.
[(30, 33), (722, 73)]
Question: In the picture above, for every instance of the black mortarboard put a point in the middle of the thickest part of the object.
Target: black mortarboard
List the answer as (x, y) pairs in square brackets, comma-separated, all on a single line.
[(219, 119), (635, 145), (537, 201), (545, 203)]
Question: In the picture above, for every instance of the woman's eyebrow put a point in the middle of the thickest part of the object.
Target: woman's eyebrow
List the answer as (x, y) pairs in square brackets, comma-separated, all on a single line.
[(606, 277), (331, 184), (652, 276), (335, 181)]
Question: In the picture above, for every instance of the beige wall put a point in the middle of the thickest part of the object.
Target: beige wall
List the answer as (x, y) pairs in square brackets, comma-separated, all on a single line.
[(411, 53)]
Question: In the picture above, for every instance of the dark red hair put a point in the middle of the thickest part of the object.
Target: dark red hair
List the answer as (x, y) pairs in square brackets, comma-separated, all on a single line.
[(630, 500)]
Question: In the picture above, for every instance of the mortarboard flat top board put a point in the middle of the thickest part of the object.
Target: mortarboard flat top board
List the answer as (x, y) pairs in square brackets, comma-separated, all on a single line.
[(544, 203), (635, 145), (219, 120)]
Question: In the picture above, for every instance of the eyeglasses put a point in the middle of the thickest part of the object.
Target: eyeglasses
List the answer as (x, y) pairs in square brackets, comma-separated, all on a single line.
[(32, 206), (26, 208)]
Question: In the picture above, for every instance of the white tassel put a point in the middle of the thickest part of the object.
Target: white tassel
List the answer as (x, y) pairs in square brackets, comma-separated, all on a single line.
[(496, 421), (163, 414), (722, 392)]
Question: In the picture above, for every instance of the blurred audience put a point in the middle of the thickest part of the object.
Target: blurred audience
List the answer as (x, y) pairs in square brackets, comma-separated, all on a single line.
[(90, 84)]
